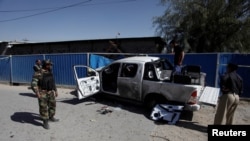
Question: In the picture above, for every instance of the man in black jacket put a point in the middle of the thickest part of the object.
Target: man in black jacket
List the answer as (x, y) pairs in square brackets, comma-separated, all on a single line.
[(231, 85)]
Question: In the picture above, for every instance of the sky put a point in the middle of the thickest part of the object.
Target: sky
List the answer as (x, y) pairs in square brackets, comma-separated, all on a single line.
[(67, 20)]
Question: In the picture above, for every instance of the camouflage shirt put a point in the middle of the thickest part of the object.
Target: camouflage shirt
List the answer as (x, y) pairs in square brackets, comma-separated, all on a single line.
[(43, 80)]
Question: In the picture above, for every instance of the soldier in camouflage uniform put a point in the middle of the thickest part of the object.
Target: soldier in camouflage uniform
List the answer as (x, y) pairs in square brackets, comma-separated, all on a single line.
[(37, 66), (37, 71), (46, 92)]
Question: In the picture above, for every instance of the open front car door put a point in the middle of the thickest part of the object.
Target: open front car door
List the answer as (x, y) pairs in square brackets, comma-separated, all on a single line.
[(87, 79)]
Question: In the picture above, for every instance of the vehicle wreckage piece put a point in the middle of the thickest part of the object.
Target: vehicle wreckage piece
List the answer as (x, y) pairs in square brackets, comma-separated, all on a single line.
[(169, 113)]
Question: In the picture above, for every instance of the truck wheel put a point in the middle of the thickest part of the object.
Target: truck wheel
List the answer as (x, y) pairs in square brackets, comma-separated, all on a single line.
[(151, 101), (151, 104)]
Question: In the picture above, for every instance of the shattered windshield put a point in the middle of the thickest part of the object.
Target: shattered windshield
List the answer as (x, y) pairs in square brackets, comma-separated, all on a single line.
[(163, 69)]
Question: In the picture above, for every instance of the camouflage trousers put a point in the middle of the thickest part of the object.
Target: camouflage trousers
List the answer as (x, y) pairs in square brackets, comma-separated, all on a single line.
[(47, 104)]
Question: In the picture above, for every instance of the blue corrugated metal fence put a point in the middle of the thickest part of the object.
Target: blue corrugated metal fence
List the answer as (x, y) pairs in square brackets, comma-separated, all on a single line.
[(18, 68)]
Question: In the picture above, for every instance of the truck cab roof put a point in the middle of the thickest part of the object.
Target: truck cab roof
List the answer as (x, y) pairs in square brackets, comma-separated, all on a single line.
[(142, 59)]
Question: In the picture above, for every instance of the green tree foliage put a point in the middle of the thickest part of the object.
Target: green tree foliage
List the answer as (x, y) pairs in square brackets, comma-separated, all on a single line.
[(207, 25)]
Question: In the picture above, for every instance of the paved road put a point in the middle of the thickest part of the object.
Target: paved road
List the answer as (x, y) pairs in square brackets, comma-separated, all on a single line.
[(79, 120)]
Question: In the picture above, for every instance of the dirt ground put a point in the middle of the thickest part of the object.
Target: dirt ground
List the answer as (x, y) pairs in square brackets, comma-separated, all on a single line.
[(82, 120), (196, 130)]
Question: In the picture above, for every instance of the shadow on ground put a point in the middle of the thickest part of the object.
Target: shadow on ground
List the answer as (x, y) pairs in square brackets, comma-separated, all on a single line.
[(28, 94), (113, 102), (109, 101), (192, 126), (26, 117), (185, 121)]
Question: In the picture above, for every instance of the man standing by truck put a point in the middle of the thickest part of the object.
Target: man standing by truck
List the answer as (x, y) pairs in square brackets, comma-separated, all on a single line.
[(178, 55), (231, 87)]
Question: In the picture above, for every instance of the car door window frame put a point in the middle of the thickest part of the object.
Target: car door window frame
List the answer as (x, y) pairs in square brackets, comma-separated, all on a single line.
[(129, 70)]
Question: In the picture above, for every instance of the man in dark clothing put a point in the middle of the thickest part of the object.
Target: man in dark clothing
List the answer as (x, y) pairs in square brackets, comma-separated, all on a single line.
[(231, 85), (178, 56), (37, 66), (47, 92)]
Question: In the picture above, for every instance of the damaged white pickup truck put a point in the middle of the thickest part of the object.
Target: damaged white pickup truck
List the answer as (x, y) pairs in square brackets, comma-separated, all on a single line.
[(144, 79)]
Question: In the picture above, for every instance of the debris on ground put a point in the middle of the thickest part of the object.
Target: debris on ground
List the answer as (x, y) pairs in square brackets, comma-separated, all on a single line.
[(169, 113), (104, 110)]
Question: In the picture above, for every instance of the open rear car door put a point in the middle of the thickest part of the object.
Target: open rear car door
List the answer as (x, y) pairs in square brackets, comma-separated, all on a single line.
[(87, 79)]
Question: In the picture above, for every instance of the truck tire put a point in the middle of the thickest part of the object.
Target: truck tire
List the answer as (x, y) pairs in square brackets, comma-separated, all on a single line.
[(152, 100)]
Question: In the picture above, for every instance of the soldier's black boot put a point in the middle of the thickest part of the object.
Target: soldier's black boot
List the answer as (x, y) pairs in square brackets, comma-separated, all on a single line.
[(52, 119), (45, 124)]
